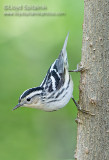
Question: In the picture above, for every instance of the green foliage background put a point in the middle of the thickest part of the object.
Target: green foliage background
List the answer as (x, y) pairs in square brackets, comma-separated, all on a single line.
[(28, 46)]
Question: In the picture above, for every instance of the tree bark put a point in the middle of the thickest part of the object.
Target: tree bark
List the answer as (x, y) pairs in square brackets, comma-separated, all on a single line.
[(93, 129)]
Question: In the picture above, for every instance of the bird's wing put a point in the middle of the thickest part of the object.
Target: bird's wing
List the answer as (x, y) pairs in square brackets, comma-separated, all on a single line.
[(55, 76)]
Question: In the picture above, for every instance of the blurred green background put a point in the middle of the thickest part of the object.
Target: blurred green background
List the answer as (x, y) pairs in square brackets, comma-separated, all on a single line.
[(28, 46)]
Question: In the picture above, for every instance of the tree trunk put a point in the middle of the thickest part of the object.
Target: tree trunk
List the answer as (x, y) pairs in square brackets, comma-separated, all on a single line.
[(93, 130)]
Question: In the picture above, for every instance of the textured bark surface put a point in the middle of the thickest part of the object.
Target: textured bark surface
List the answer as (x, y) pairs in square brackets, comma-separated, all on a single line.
[(93, 130)]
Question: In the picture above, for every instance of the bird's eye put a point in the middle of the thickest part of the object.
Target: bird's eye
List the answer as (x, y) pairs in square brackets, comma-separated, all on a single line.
[(28, 99)]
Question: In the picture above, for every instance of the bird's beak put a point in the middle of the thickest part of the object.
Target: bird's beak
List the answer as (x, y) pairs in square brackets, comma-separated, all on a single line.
[(17, 106)]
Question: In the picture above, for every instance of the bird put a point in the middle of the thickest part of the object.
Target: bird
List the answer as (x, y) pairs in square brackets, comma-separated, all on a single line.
[(56, 89)]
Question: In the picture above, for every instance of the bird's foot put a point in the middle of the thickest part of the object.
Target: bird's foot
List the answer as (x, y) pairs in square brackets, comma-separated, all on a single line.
[(80, 109), (79, 69)]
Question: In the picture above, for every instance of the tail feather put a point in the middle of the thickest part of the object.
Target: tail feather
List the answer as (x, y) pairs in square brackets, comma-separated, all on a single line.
[(63, 53), (65, 44)]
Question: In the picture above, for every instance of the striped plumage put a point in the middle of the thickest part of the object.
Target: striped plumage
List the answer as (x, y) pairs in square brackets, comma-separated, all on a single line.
[(56, 89)]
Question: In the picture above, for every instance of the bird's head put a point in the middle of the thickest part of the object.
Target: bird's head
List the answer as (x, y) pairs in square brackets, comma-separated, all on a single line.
[(30, 98)]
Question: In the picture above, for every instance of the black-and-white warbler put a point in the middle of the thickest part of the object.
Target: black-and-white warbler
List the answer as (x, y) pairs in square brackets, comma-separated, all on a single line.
[(56, 89)]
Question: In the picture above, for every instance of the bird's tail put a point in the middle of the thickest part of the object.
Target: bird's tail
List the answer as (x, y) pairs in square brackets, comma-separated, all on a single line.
[(65, 45), (63, 53)]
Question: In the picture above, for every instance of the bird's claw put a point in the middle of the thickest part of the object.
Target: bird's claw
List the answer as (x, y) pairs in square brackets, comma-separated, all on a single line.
[(80, 109), (79, 69), (86, 111)]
